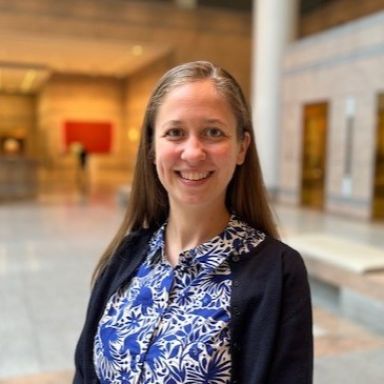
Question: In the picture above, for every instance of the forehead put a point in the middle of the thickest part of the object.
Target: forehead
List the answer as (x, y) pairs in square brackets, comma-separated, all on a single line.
[(194, 99), (196, 89)]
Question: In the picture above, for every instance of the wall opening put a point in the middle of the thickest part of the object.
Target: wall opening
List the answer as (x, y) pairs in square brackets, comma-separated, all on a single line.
[(378, 183), (313, 155)]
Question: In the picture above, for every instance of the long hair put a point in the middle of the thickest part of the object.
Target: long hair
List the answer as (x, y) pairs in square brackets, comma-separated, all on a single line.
[(148, 204)]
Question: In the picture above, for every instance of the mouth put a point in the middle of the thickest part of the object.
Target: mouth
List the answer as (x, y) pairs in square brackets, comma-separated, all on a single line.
[(194, 176)]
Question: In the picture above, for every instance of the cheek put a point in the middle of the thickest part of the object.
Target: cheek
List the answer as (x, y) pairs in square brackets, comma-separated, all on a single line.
[(164, 155), (225, 155)]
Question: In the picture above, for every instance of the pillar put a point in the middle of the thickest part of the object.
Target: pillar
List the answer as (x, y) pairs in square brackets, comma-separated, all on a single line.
[(274, 26)]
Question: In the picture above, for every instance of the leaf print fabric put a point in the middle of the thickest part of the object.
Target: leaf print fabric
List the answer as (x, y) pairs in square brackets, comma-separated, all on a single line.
[(171, 325)]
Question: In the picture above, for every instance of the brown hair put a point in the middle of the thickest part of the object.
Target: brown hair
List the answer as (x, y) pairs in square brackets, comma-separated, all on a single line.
[(148, 205)]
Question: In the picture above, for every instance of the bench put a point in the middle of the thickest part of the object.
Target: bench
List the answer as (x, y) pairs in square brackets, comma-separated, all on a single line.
[(346, 276)]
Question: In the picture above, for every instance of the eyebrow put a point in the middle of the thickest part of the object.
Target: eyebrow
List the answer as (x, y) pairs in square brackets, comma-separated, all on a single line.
[(215, 121), (210, 121)]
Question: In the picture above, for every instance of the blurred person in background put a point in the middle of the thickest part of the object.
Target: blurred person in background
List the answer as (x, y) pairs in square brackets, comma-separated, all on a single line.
[(196, 287), (82, 157)]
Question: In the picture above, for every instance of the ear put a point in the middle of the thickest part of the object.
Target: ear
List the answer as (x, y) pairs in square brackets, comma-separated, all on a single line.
[(243, 148)]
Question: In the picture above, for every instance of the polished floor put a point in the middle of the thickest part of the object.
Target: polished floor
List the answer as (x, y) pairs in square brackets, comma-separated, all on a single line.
[(48, 249)]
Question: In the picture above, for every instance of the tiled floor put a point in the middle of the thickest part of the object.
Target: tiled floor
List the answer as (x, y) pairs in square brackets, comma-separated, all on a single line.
[(48, 250), (335, 336)]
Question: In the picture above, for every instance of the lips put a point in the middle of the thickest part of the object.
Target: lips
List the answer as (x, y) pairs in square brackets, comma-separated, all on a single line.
[(194, 176)]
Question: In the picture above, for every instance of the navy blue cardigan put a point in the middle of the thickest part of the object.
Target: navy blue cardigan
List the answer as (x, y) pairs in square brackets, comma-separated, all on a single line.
[(271, 315)]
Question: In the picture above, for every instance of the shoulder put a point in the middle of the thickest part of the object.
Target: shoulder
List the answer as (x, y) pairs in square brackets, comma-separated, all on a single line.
[(292, 271), (267, 249), (133, 241), (139, 235), (276, 251), (130, 249), (127, 256), (272, 261), (274, 274)]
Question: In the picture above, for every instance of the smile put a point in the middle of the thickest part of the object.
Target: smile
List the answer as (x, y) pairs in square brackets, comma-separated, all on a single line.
[(194, 176)]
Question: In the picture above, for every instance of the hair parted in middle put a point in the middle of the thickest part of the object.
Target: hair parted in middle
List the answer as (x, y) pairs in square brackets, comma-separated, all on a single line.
[(148, 205)]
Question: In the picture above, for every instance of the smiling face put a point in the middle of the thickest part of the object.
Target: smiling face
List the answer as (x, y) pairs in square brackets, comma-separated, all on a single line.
[(196, 145)]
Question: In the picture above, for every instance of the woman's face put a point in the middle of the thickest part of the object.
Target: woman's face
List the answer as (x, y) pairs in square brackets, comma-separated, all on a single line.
[(196, 145)]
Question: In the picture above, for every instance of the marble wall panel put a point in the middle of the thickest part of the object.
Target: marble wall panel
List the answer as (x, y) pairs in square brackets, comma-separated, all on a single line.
[(336, 66)]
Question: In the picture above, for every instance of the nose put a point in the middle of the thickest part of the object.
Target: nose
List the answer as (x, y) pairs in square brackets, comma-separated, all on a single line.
[(193, 150)]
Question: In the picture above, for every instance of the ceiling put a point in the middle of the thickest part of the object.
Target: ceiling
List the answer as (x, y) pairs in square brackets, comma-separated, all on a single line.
[(228, 4), (245, 5), (27, 62), (307, 6)]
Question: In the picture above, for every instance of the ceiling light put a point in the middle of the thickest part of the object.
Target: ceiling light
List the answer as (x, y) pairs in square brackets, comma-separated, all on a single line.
[(137, 50), (28, 80)]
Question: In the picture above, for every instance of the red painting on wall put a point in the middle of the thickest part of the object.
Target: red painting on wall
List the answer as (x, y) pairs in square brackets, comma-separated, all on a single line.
[(95, 137)]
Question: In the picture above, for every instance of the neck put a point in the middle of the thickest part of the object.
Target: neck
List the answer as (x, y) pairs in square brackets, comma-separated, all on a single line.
[(187, 229)]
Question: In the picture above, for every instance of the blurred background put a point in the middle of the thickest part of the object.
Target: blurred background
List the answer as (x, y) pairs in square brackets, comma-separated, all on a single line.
[(75, 77)]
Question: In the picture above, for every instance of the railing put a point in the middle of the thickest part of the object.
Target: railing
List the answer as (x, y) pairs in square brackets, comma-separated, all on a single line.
[(18, 177)]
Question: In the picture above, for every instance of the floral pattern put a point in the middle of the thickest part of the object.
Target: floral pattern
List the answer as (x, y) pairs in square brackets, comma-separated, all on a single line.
[(171, 324)]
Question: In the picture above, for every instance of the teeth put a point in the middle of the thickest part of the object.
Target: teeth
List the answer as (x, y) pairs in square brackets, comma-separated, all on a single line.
[(194, 176)]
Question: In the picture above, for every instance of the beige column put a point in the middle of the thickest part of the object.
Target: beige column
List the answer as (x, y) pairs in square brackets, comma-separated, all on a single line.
[(274, 26)]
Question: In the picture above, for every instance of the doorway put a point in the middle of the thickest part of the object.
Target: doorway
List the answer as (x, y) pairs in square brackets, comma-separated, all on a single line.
[(314, 154), (378, 187)]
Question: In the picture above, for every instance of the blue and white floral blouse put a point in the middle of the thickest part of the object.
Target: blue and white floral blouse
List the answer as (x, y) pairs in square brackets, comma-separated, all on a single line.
[(171, 324)]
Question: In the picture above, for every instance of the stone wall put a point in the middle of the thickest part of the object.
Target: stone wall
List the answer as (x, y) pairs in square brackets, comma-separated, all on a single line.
[(18, 119), (80, 98), (137, 91), (344, 67), (336, 12)]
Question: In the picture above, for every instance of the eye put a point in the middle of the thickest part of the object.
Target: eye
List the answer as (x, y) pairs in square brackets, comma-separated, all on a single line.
[(214, 132), (174, 133)]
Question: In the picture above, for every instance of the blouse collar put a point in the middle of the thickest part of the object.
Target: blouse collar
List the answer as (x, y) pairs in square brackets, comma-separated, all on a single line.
[(237, 238)]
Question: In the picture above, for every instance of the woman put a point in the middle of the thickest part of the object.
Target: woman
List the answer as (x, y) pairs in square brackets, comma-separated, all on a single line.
[(195, 287)]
